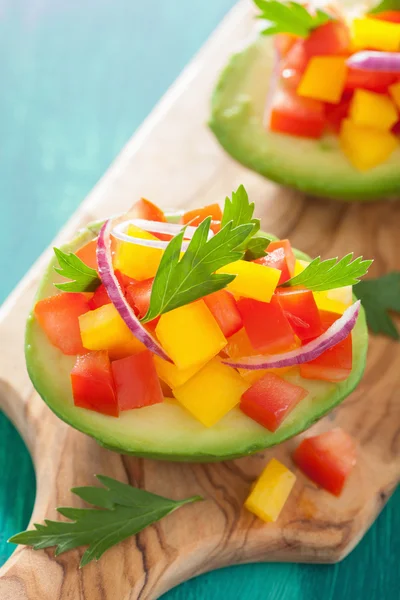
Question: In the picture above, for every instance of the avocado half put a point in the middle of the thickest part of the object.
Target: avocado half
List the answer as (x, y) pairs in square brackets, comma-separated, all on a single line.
[(167, 431), (315, 167)]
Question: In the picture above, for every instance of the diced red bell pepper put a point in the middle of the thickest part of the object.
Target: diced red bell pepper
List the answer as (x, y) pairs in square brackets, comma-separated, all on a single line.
[(136, 381), (284, 42), (212, 210), (396, 128), (144, 209), (87, 254), (92, 383), (215, 226), (334, 364), (266, 325), (327, 459), (224, 309), (138, 295), (270, 399), (393, 16), (293, 115), (335, 113), (300, 303), (332, 38), (280, 256), (373, 81), (100, 297), (58, 317)]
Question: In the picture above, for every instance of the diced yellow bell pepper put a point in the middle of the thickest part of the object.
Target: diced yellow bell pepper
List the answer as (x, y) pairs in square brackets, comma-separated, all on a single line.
[(299, 266), (369, 109), (394, 91), (170, 373), (252, 280), (190, 335), (324, 79), (104, 329), (252, 376), (214, 391), (271, 491), (335, 300), (372, 34), (138, 262), (366, 148)]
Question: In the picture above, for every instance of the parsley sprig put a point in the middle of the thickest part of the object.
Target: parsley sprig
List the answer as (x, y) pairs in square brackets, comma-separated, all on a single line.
[(84, 278), (126, 510), (290, 17), (379, 297), (329, 274)]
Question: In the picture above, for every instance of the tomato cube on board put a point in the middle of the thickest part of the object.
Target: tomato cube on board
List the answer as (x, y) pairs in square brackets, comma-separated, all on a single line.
[(252, 280), (327, 459), (212, 210), (92, 384), (373, 34), (335, 113), (293, 115), (266, 325), (136, 381), (334, 364), (332, 38), (301, 311), (104, 329), (315, 84), (270, 400), (369, 109), (134, 260), (376, 81), (213, 392), (393, 16), (279, 256), (138, 295), (171, 374), (223, 308), (271, 491), (190, 335), (58, 316), (215, 225)]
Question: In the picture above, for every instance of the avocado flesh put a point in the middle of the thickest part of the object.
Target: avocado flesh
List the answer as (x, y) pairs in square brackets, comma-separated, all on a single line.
[(167, 431), (315, 167)]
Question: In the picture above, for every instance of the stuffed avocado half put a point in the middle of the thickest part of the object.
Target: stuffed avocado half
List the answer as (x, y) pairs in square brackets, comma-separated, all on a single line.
[(270, 111), (169, 427)]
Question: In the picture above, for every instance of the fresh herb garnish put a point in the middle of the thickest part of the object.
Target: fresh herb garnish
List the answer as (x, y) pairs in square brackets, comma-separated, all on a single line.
[(378, 297), (330, 274), (290, 17), (256, 247), (126, 511), (84, 278), (385, 5)]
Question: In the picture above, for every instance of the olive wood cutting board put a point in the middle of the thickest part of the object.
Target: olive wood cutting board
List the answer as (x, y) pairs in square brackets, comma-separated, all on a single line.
[(174, 161)]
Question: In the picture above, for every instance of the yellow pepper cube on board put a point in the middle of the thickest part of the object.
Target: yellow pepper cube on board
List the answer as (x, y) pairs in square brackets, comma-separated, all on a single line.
[(214, 391), (190, 335), (138, 262), (324, 79), (369, 109), (366, 148), (271, 491), (252, 280), (394, 91), (104, 329), (372, 34), (335, 300), (171, 375)]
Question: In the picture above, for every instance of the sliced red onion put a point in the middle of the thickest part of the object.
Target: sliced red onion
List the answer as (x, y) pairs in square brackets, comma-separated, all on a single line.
[(173, 229), (332, 336), (389, 62), (111, 283)]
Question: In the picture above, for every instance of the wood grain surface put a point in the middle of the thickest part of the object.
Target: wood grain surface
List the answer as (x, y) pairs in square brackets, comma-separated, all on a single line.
[(175, 161)]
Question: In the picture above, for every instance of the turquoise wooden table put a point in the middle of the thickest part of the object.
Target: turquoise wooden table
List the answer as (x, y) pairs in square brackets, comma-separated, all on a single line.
[(78, 77)]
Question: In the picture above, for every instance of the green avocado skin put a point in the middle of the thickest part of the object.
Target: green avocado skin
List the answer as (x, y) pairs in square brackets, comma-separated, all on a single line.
[(314, 167), (166, 431)]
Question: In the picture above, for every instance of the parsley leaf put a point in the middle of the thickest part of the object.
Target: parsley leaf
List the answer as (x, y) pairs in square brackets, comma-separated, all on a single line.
[(386, 5), (330, 274), (256, 247), (126, 511), (378, 297), (84, 278), (290, 17), (179, 282)]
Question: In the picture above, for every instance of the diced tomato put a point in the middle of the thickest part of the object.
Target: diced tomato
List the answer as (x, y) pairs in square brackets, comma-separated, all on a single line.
[(335, 113), (280, 256), (92, 383), (293, 115), (334, 364), (87, 254), (136, 381), (270, 399), (58, 317), (100, 297), (215, 225), (124, 280), (393, 16), (332, 38), (144, 209), (138, 295), (284, 42), (369, 80), (212, 210), (266, 325), (327, 459), (300, 303), (225, 311)]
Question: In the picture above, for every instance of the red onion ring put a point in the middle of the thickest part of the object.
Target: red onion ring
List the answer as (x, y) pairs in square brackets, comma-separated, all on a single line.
[(388, 62), (116, 295), (332, 336)]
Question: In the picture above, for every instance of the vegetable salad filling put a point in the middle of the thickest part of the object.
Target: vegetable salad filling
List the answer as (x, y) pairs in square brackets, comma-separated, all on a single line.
[(336, 75), (209, 313)]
